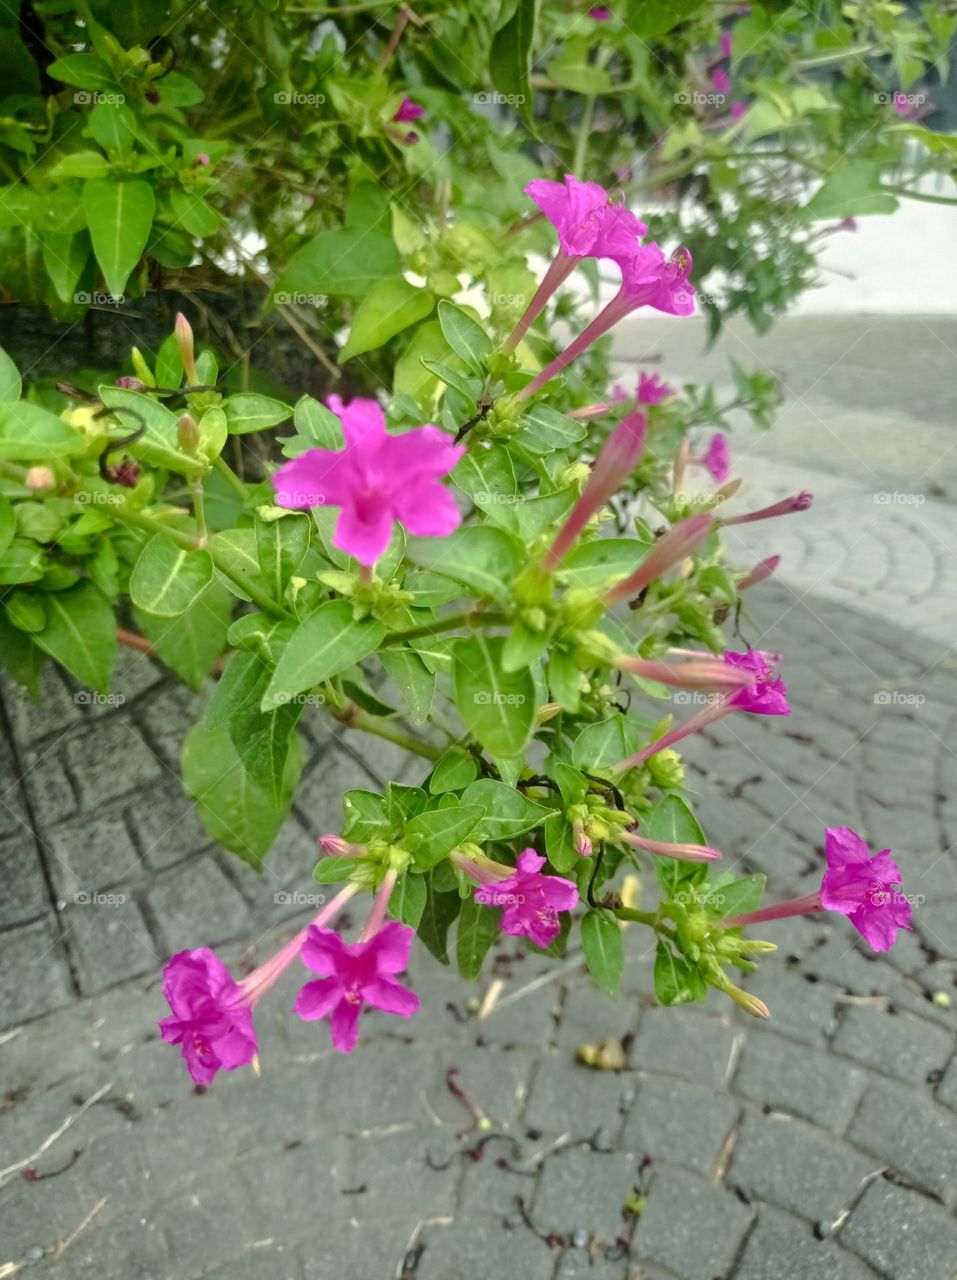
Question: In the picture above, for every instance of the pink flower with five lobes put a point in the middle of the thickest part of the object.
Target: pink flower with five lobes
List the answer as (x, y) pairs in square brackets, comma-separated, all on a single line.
[(651, 390), (530, 901), (377, 480), (409, 111), (866, 889), (716, 459)]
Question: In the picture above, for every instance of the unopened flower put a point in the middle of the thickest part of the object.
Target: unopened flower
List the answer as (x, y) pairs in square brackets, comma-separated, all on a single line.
[(409, 111), (618, 458), (376, 480), (353, 976), (599, 13), (716, 458), (763, 569), (725, 44), (129, 383), (651, 390), (530, 902), (738, 109), (798, 502), (674, 546), (848, 224), (665, 849), (39, 478), (721, 80), (184, 342), (707, 674), (336, 847), (866, 889), (764, 695)]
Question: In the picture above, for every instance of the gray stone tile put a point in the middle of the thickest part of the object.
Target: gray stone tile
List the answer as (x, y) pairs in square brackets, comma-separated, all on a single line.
[(36, 978), (901, 1046), (585, 1190), (783, 1248), (568, 1097), (792, 1077), (682, 1124), (689, 1227), (902, 1234), (95, 855), (910, 1134), (196, 906), (471, 1249), (109, 940), (25, 895), (684, 1042)]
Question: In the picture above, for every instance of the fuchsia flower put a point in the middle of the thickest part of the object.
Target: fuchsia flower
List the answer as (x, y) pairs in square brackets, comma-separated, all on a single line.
[(847, 224), (651, 390), (377, 480), (799, 502), (618, 458), (717, 458), (530, 902), (763, 569), (725, 44), (599, 13), (354, 976), (706, 674), (409, 111), (865, 889), (721, 80), (665, 849), (738, 109), (211, 1017), (764, 695)]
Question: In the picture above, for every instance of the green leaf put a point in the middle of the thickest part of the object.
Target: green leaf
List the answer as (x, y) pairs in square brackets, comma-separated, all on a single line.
[(676, 982), (439, 831), (602, 745), (281, 544), (191, 643), (322, 646), (560, 844), (113, 126), (603, 560), (167, 579), (213, 431), (476, 931), (575, 71), (511, 51), (160, 445), (31, 434), (8, 524), (546, 431), (440, 910), (20, 657), (65, 258), (507, 812), (80, 634), (413, 679), (407, 901), (234, 810), (604, 949), (10, 385), (317, 424), (735, 897), (83, 71), (482, 558), (333, 870), (119, 216), (455, 770), (498, 707), (365, 817), (235, 552), (388, 308), (263, 739), (671, 820), (465, 336), (852, 190), (247, 412), (346, 262)]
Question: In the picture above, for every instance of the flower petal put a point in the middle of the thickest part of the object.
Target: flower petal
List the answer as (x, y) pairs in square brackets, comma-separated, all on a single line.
[(391, 997), (365, 540), (392, 946), (344, 1025), (842, 845), (427, 510), (316, 998), (317, 478)]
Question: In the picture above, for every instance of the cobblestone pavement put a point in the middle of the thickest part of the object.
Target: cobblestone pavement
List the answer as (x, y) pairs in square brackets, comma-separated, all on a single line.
[(819, 1146)]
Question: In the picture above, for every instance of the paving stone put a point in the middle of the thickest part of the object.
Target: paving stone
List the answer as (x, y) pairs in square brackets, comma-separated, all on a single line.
[(580, 1264), (54, 713), (35, 974), (684, 1043), (380, 1085), (210, 1223), (902, 1046), (689, 1227), (471, 1250), (947, 1089), (25, 895), (112, 760), (807, 1082), (321, 788), (796, 1167), (568, 1097), (399, 1175), (783, 1248), (90, 857), (109, 940), (48, 784), (902, 1234), (503, 1175), (800, 1009), (588, 1017), (197, 906), (167, 828), (681, 1123), (584, 1190), (301, 1187), (937, 924), (497, 1081), (910, 1134)]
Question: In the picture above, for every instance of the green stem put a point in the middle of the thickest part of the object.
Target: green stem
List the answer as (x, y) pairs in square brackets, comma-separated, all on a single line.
[(469, 618), (926, 196), (232, 479), (367, 723), (649, 918), (199, 507), (581, 141)]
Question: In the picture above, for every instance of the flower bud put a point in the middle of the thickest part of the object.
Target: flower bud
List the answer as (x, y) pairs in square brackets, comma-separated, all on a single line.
[(187, 433), (184, 341), (666, 768), (39, 478), (130, 384)]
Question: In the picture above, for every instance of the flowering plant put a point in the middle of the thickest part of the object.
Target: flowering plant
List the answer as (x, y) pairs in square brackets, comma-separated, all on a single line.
[(441, 559)]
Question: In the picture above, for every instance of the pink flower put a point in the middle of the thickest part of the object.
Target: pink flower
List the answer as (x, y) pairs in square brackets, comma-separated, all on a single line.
[(716, 459), (721, 80), (376, 480), (618, 458), (847, 224), (651, 390), (763, 569), (599, 13), (211, 1016), (798, 502), (650, 279), (865, 889), (725, 44), (408, 111), (354, 976), (738, 109), (588, 223), (671, 548), (664, 849), (530, 901), (706, 674)]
